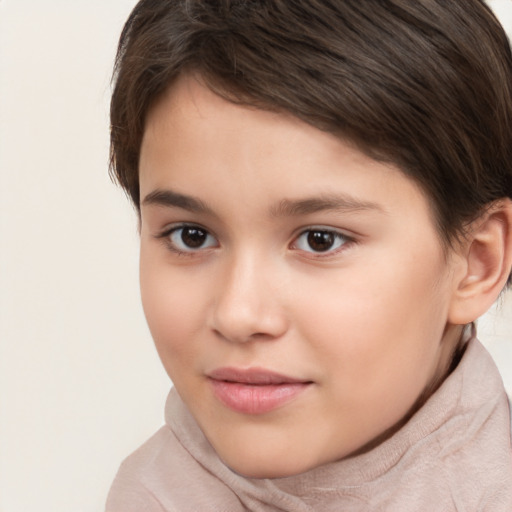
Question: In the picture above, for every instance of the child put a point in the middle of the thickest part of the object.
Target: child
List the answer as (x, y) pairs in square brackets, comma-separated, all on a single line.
[(324, 190)]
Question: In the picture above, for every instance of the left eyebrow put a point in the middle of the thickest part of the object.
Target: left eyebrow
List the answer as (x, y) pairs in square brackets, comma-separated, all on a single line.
[(343, 203)]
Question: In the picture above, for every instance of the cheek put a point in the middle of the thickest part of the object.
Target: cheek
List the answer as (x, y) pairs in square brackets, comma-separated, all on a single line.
[(173, 310), (376, 328)]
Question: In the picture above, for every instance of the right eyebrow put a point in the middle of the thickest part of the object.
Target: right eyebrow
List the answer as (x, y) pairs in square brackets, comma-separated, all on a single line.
[(173, 199)]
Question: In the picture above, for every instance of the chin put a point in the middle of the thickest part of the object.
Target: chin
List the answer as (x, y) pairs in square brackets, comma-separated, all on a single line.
[(270, 466), (268, 470)]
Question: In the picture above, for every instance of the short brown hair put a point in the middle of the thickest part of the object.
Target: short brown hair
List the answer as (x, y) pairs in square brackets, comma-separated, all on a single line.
[(424, 84)]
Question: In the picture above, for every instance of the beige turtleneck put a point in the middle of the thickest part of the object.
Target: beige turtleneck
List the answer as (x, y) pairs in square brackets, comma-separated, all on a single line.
[(454, 454)]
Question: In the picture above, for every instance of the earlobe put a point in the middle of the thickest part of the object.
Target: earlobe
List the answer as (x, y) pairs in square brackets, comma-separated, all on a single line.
[(487, 262)]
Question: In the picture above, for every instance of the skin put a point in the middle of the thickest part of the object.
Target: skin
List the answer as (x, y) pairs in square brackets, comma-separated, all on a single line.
[(365, 322)]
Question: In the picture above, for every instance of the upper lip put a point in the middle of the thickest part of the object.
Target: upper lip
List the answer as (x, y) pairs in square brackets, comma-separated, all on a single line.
[(254, 376)]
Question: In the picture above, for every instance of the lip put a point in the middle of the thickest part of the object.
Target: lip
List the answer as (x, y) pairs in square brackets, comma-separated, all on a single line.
[(254, 390)]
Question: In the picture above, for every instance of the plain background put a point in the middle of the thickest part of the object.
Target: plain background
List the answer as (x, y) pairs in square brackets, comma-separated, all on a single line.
[(80, 382)]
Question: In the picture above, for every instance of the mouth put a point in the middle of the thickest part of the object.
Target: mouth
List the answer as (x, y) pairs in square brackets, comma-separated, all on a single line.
[(255, 390)]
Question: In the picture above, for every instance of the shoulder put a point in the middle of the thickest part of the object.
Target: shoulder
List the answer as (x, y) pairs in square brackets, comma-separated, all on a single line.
[(133, 488), (162, 476), (462, 453), (474, 450), (510, 411)]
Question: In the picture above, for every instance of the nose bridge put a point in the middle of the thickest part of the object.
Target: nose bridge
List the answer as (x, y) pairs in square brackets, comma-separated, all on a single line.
[(247, 301)]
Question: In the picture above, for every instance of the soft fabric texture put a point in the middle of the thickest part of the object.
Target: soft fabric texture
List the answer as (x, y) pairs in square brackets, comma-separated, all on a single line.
[(454, 454)]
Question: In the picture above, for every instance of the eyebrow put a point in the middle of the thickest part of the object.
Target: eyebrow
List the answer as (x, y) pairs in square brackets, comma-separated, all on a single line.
[(285, 208), (175, 200), (341, 203)]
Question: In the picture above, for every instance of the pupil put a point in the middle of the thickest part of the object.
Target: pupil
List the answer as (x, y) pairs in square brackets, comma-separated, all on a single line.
[(320, 240), (193, 237)]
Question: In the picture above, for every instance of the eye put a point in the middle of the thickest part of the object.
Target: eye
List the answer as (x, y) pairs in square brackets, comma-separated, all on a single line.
[(320, 241), (189, 238)]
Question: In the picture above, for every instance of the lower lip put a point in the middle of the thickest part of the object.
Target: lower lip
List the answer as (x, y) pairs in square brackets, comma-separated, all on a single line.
[(254, 399)]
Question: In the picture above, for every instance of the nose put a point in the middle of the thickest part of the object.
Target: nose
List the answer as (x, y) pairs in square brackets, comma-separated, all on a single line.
[(247, 302)]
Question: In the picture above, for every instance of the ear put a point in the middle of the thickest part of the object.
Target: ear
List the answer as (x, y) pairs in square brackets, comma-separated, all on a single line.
[(486, 261)]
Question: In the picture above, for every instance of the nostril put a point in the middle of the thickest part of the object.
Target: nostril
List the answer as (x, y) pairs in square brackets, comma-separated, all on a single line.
[(261, 336), (242, 337)]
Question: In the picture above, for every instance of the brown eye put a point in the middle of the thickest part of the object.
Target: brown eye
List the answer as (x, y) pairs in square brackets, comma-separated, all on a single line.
[(320, 241), (190, 239), (193, 237)]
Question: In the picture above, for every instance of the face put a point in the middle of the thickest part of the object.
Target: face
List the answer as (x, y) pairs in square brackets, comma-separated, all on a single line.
[(296, 290)]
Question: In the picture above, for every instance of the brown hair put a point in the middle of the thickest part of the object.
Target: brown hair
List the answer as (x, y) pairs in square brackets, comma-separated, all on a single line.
[(425, 84)]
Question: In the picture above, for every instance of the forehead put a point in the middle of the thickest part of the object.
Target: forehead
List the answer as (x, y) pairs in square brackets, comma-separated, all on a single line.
[(192, 113), (197, 143)]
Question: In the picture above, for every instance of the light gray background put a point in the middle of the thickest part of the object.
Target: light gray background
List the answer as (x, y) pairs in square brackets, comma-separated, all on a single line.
[(81, 385)]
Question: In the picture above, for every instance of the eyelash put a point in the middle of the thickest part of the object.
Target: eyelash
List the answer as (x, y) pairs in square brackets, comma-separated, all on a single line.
[(336, 237)]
